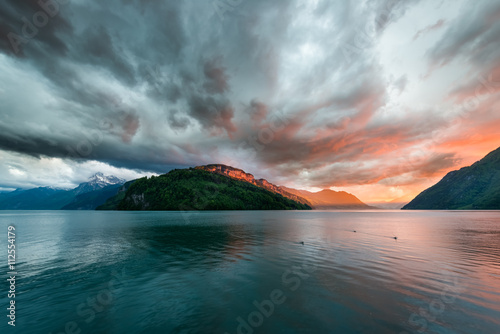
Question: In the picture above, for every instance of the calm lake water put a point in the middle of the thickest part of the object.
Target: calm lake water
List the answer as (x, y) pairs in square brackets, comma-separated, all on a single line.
[(248, 272)]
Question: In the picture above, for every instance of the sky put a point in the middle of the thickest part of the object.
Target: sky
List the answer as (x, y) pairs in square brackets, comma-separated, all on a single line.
[(379, 98)]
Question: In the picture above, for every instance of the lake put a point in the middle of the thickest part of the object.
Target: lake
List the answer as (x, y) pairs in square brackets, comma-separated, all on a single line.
[(254, 272)]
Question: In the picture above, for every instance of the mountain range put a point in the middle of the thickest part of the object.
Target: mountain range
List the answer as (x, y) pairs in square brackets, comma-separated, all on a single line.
[(476, 187), (178, 190), (221, 187), (329, 199), (87, 196)]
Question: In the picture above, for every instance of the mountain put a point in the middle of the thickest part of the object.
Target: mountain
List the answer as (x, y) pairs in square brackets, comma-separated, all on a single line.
[(43, 198), (476, 187), (395, 204), (201, 188), (325, 199), (239, 174), (112, 202), (92, 199), (329, 199), (96, 182), (87, 196), (4, 195)]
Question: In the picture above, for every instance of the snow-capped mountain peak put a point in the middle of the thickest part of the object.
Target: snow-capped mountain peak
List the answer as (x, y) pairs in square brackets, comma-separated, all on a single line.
[(101, 179), (98, 181)]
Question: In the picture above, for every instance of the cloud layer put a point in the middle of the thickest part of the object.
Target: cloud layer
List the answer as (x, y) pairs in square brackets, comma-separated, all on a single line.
[(380, 97)]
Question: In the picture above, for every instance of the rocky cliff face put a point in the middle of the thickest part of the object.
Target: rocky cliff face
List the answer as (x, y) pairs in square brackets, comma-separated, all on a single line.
[(238, 174)]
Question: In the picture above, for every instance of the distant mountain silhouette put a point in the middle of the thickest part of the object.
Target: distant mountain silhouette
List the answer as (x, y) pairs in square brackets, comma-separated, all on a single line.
[(329, 199), (42, 198), (92, 199), (87, 196), (395, 204), (471, 188)]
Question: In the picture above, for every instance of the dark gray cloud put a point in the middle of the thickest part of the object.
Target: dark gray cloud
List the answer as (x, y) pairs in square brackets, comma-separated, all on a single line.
[(217, 79), (33, 22), (178, 120), (212, 112), (258, 111)]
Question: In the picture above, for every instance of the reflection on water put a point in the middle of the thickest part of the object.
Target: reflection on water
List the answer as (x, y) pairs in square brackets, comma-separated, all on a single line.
[(242, 272)]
